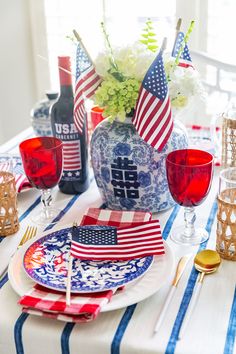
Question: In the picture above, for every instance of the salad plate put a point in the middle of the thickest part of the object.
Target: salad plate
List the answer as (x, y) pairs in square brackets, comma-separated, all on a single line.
[(46, 263)]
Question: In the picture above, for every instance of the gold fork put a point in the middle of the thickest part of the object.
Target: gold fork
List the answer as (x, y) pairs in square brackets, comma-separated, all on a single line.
[(30, 232)]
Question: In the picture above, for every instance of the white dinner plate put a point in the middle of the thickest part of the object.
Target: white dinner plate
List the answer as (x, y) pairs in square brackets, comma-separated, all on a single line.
[(134, 292)]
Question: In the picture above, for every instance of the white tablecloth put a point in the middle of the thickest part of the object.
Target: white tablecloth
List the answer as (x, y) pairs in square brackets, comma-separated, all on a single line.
[(128, 330)]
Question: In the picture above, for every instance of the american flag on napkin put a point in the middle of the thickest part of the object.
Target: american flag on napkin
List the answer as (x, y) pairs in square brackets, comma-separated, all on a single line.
[(185, 58), (152, 119), (111, 243), (87, 81)]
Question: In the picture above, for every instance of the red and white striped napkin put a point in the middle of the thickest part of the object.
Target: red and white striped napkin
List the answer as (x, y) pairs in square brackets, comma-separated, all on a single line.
[(84, 307), (22, 182)]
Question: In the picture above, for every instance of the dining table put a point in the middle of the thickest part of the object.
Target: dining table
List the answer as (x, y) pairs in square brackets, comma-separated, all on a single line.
[(126, 325)]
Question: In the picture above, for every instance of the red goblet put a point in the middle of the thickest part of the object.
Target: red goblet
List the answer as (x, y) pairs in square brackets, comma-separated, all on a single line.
[(189, 175), (42, 162)]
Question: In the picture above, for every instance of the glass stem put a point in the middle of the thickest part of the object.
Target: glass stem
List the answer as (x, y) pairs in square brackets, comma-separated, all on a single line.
[(189, 218), (46, 199)]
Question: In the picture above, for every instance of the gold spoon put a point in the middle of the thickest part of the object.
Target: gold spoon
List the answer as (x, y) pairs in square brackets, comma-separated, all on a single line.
[(206, 262)]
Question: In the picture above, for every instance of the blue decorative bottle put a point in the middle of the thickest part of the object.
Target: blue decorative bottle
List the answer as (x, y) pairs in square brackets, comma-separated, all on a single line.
[(130, 174)]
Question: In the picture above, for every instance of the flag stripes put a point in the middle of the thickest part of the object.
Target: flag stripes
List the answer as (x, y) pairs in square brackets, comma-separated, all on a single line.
[(71, 156), (141, 240), (153, 120), (87, 81)]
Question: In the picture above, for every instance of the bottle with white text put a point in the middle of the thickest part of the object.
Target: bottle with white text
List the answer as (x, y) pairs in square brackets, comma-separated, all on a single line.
[(75, 177)]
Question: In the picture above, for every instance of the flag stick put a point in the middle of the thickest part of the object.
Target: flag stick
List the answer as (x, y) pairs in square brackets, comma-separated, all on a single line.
[(164, 44), (68, 285), (82, 44), (178, 26), (69, 271), (177, 29)]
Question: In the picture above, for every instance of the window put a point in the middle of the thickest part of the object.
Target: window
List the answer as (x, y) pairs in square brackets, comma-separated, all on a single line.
[(124, 20), (213, 33)]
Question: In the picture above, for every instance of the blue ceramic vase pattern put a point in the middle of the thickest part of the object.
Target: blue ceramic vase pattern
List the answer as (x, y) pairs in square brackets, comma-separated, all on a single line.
[(129, 173), (40, 115)]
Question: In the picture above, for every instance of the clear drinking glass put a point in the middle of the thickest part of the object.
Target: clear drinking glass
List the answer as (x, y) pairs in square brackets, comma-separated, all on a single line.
[(226, 215)]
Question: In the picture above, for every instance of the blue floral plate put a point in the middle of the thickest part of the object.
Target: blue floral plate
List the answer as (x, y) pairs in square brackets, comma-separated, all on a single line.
[(46, 262)]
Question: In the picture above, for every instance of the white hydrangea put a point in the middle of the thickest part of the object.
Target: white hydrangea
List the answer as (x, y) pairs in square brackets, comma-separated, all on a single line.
[(132, 60), (183, 83)]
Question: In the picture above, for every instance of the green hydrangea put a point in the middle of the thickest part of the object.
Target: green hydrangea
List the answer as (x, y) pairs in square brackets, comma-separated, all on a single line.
[(118, 98)]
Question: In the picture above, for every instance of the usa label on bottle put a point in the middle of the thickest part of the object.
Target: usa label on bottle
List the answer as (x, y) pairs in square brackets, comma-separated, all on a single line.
[(72, 163)]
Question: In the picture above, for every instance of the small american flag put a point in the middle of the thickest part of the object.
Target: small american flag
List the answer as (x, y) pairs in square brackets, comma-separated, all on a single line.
[(71, 156), (87, 81), (111, 243), (185, 58), (152, 119)]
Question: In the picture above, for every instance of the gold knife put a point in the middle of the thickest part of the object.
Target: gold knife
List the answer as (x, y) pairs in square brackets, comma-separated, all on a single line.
[(179, 271)]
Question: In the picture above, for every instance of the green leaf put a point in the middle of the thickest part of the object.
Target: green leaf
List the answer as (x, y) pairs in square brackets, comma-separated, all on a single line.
[(153, 48), (143, 41), (148, 36)]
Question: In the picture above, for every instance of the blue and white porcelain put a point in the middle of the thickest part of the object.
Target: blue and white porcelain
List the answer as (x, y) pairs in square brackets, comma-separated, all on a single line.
[(130, 174), (46, 262), (40, 115)]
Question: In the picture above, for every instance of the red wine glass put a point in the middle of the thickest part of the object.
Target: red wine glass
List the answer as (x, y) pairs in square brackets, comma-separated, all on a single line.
[(42, 162), (189, 175)]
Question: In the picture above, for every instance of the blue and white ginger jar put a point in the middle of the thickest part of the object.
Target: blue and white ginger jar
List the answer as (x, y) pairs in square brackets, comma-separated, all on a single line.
[(130, 174), (40, 115)]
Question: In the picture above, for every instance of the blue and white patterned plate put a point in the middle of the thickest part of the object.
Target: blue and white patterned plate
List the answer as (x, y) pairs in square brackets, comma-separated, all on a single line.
[(46, 261)]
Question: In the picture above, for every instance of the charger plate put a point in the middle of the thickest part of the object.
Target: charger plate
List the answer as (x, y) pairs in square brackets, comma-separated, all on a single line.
[(137, 290)]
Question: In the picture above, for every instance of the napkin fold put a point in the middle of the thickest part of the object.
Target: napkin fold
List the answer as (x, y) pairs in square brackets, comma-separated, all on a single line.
[(45, 302), (49, 303), (117, 218)]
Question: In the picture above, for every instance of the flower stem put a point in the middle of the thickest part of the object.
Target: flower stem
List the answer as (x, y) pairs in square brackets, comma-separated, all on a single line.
[(109, 46)]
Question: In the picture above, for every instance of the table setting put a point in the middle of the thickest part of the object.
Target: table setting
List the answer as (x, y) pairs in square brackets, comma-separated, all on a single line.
[(142, 259)]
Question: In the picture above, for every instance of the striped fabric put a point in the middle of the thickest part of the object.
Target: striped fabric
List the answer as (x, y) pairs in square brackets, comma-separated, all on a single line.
[(128, 330), (15, 167)]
